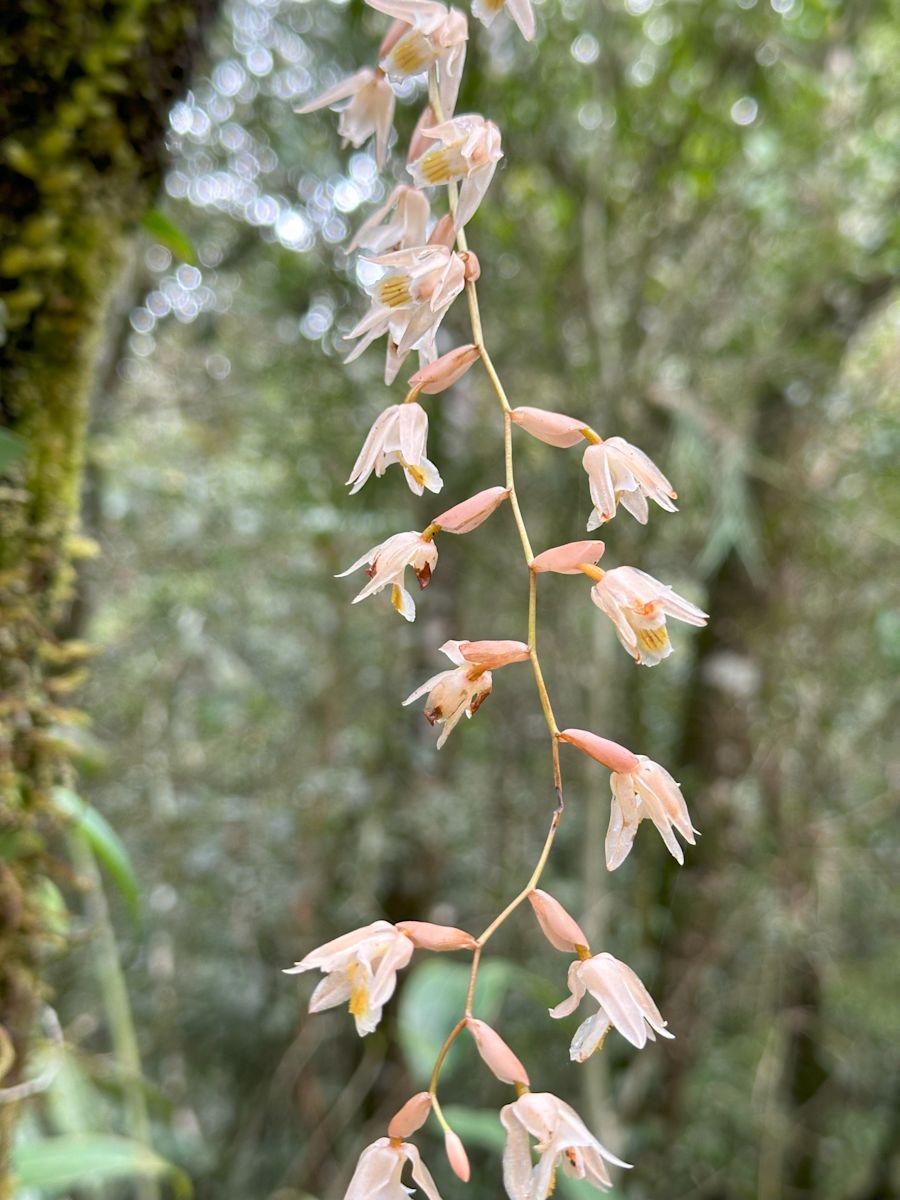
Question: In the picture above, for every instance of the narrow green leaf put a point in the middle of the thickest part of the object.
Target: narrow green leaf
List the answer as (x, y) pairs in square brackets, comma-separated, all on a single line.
[(164, 230), (106, 845), (57, 1163), (12, 448)]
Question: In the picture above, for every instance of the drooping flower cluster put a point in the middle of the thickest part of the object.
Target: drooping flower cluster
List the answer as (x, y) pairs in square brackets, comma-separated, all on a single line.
[(423, 264)]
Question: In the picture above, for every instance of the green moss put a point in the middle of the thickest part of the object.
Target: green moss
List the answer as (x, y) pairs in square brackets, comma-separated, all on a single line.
[(72, 186)]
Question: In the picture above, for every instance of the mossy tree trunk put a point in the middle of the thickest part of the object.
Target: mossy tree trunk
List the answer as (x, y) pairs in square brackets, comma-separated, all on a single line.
[(85, 89)]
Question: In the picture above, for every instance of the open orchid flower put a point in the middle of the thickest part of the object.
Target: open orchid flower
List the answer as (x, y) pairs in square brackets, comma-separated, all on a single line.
[(399, 435), (641, 788), (637, 604), (379, 1170), (620, 473), (427, 34), (371, 109), (647, 791), (461, 691), (410, 299), (468, 150), (624, 1003), (401, 222), (360, 967), (561, 1138), (387, 568), (520, 11)]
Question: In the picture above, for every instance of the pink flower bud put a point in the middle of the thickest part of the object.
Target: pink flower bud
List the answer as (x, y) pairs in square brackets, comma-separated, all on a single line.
[(564, 560), (493, 654), (468, 515), (611, 754), (560, 929), (425, 936), (411, 1116), (456, 1154), (444, 371), (472, 265), (444, 234), (496, 1054), (556, 429)]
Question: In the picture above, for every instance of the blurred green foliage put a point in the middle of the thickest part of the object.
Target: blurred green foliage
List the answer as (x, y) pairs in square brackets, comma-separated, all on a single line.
[(693, 243)]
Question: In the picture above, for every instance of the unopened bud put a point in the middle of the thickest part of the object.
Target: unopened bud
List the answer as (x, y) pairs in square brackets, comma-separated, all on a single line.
[(444, 371), (566, 559), (611, 754), (560, 928), (556, 429), (468, 515), (490, 655), (411, 1116), (471, 264), (456, 1154), (496, 1054), (425, 936)]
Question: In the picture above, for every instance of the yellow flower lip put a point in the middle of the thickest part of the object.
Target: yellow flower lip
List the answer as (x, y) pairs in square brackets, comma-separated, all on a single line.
[(654, 639)]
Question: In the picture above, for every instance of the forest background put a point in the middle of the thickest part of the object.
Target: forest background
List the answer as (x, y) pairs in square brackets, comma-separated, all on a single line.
[(692, 242)]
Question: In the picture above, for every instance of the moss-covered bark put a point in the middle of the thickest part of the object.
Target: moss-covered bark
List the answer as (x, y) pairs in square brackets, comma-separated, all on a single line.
[(84, 91)]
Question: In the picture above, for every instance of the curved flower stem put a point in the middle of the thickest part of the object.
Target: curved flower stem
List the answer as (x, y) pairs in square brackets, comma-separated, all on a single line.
[(546, 707)]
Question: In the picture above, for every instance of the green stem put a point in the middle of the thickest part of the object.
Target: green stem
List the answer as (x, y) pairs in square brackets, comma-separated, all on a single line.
[(114, 991)]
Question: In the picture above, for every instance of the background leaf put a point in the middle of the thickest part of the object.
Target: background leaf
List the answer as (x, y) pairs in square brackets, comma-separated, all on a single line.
[(55, 1164), (106, 845)]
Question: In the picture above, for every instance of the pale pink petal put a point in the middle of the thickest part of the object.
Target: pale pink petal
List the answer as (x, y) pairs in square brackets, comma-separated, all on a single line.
[(577, 989), (410, 11), (564, 559), (444, 232), (516, 1156), (523, 15), (496, 1054), (426, 686), (334, 989), (556, 429), (588, 1036), (468, 515), (419, 143), (376, 1170), (611, 754), (340, 91), (560, 928), (420, 1173), (426, 936), (411, 1116)]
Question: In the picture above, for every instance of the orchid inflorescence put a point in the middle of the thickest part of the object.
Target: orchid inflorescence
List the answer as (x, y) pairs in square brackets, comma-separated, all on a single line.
[(425, 263)]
